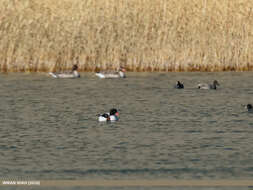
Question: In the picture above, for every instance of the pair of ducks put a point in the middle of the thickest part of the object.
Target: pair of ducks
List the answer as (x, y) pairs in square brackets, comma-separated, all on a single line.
[(113, 115), (204, 86), (107, 74)]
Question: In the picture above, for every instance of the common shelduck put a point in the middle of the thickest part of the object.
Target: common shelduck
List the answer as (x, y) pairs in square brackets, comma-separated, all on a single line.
[(72, 74), (112, 74), (209, 86), (113, 115)]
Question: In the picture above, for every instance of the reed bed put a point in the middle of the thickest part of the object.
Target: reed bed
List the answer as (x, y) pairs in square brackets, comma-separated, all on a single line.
[(141, 35)]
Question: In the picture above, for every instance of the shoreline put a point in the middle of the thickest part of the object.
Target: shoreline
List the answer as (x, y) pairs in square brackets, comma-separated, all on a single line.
[(132, 70)]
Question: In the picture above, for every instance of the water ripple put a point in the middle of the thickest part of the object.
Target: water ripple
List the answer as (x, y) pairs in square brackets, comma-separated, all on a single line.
[(49, 128)]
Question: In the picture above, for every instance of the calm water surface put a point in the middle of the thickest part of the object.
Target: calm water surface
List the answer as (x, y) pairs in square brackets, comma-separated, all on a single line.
[(49, 128)]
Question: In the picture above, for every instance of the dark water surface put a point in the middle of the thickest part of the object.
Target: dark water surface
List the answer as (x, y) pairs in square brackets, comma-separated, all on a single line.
[(49, 128)]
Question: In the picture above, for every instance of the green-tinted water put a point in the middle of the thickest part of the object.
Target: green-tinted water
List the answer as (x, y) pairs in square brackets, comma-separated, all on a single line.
[(49, 128)]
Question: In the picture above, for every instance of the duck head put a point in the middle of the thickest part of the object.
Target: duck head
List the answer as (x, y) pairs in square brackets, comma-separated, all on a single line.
[(74, 68), (122, 69), (114, 111), (179, 85), (249, 107), (215, 83)]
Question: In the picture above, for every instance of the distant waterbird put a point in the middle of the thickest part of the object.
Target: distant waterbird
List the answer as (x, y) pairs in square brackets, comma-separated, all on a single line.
[(209, 86), (112, 74), (113, 115), (249, 107), (73, 74), (179, 85)]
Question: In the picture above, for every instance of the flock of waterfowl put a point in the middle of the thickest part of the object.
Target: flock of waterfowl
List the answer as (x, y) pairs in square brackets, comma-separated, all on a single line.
[(113, 114)]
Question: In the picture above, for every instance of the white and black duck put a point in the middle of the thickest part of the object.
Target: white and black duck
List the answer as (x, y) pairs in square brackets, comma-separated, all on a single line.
[(113, 115), (112, 74), (209, 86), (73, 74)]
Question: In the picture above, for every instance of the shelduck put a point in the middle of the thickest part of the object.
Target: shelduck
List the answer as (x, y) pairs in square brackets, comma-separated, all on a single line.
[(73, 74)]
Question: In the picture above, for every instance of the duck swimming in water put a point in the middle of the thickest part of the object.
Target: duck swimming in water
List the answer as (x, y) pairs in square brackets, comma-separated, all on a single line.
[(209, 86), (112, 116), (71, 75), (179, 85), (249, 107), (112, 74)]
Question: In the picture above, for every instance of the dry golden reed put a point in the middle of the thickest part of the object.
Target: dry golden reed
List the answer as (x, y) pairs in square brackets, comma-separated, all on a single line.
[(142, 35)]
